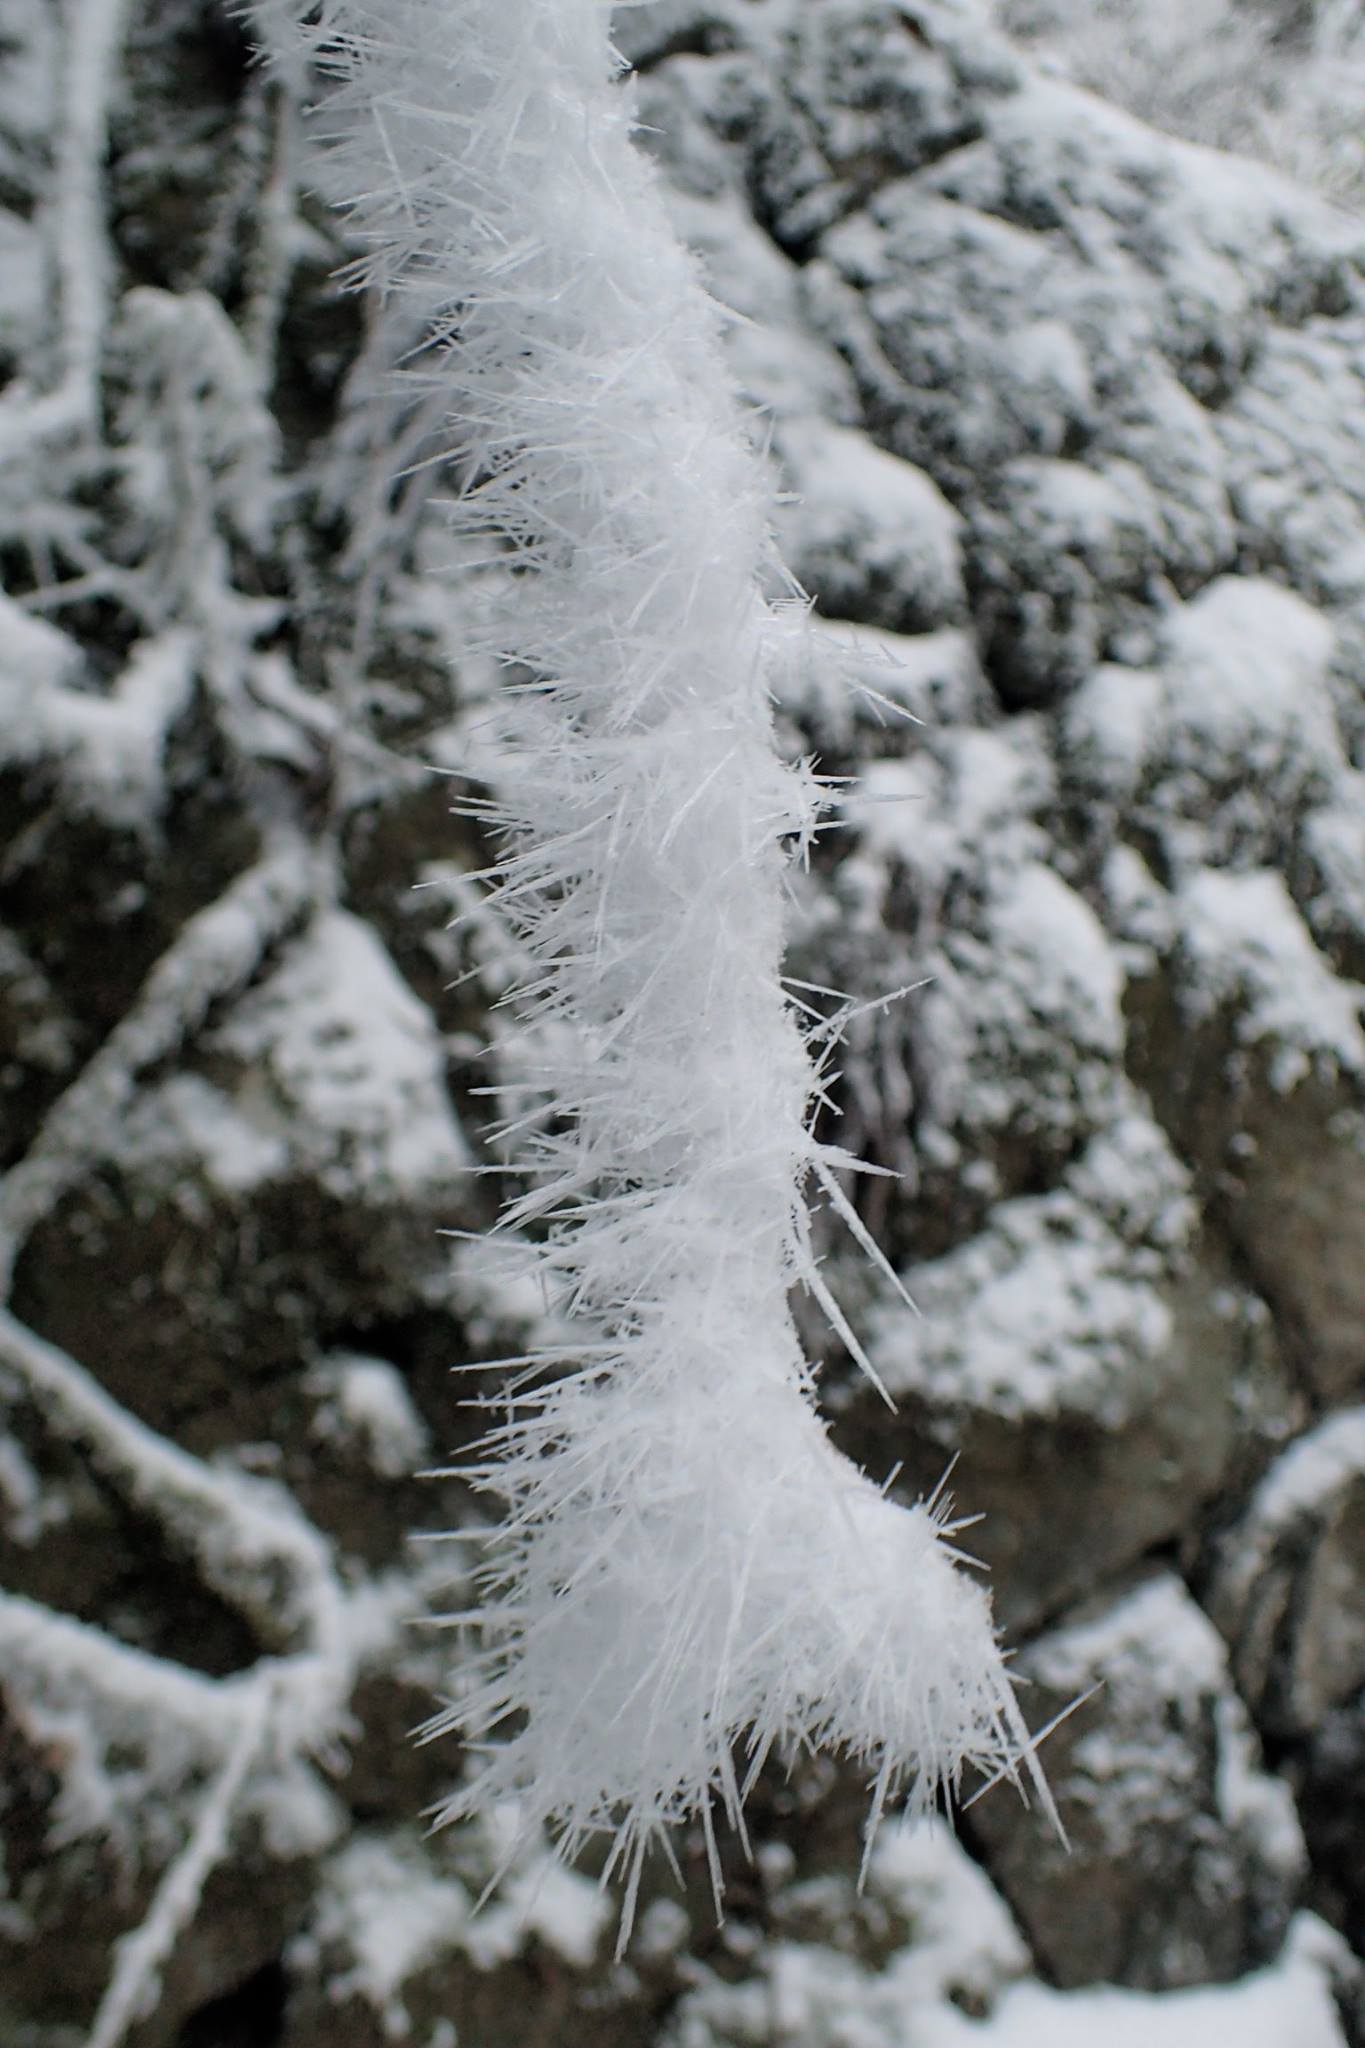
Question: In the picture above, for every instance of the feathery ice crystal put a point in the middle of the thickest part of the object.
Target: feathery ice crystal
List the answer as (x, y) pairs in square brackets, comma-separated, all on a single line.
[(688, 1574)]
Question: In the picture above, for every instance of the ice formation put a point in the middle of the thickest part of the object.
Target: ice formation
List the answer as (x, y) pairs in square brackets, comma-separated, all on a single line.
[(687, 1574)]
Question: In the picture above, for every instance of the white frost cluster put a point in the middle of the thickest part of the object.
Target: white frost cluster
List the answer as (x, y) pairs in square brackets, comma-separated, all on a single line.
[(688, 1574)]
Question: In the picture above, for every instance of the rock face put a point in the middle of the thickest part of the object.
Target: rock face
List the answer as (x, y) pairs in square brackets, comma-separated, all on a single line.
[(1073, 419), (1183, 1859)]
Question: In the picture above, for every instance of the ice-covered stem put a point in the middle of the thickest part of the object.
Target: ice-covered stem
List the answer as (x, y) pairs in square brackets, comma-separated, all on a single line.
[(688, 1570)]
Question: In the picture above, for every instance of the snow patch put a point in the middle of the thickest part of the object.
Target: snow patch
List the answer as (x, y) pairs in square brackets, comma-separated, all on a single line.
[(1302, 1483), (868, 530), (388, 1915), (1248, 699), (1057, 1306), (356, 1057), (363, 1401), (1288, 2005), (1244, 946), (108, 749), (238, 1143)]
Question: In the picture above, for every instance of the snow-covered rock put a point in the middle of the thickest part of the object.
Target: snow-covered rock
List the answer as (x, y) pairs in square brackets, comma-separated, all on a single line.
[(1070, 419), (1184, 1858)]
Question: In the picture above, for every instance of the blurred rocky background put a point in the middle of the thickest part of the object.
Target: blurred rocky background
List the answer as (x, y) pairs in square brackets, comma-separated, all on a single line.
[(1071, 418)]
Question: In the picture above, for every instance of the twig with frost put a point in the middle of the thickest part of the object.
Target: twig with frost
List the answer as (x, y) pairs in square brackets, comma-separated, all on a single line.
[(142, 1953), (214, 954), (275, 1712), (258, 1553), (268, 1720), (689, 1576), (250, 1734), (93, 33), (53, 1655), (250, 1545)]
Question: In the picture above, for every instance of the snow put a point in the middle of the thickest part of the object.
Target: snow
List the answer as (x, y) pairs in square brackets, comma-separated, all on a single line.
[(888, 808), (1245, 946), (391, 1916), (1294, 444), (28, 82), (997, 777), (1107, 515), (538, 1896), (960, 1981), (364, 1401), (388, 1914), (1109, 728), (866, 526), (1161, 1662), (1218, 74), (108, 748), (20, 1493), (1288, 2005), (1042, 919), (1138, 911), (1288, 1583), (37, 658), (21, 281), (957, 801), (234, 1140), (1051, 1311), (27, 1507), (849, 675), (1247, 696), (1334, 840), (1252, 1802), (1325, 1462), (1022, 1009), (356, 1057), (965, 1942), (135, 1732), (1053, 361), (1153, 1639)]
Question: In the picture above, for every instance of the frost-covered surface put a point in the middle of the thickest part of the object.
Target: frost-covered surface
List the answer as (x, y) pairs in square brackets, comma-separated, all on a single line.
[(1277, 79), (1076, 416), (1184, 1855)]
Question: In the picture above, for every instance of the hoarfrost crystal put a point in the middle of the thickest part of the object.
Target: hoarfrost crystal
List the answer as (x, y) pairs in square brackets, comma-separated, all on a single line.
[(688, 1574)]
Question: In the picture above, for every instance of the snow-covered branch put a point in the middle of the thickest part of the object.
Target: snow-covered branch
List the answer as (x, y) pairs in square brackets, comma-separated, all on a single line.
[(214, 955), (142, 1953), (254, 1549), (107, 1701)]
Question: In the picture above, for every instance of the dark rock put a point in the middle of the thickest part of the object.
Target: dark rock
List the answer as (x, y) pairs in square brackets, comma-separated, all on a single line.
[(1185, 1859)]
